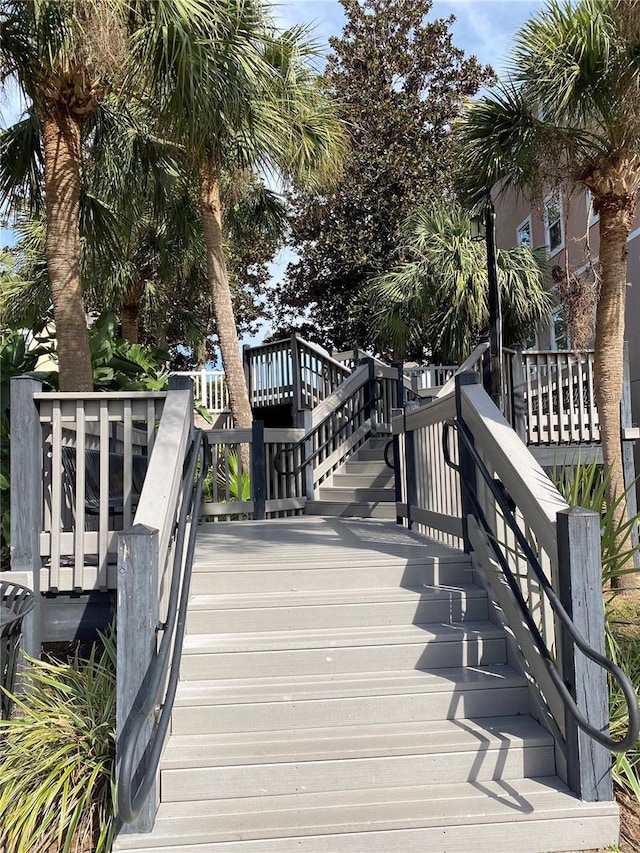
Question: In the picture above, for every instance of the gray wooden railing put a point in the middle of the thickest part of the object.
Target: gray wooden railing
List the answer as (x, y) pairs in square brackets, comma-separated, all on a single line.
[(292, 372), (432, 499)]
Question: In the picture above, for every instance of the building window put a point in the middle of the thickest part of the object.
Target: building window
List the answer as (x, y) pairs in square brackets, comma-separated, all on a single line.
[(553, 225), (523, 233), (592, 216)]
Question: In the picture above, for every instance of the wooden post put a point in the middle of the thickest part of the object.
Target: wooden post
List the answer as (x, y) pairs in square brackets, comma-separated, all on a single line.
[(296, 375), (397, 470), (246, 363), (411, 480), (258, 470), (468, 473), (137, 625), (518, 419), (579, 587), (306, 422), (26, 499), (370, 411), (399, 385), (628, 461)]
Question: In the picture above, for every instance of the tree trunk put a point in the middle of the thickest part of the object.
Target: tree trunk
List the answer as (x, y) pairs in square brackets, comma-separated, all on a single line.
[(211, 212), (130, 322), (62, 205), (615, 224)]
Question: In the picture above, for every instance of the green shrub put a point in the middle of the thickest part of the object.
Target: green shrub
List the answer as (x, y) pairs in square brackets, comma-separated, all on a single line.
[(57, 757)]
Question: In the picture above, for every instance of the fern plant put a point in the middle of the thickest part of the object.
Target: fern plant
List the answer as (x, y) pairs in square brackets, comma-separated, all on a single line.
[(57, 757)]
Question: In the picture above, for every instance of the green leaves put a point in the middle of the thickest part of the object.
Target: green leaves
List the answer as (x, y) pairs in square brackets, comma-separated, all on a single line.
[(57, 757), (437, 298)]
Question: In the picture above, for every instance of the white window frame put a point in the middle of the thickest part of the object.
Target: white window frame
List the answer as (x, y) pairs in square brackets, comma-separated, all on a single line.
[(551, 253), (593, 217), (520, 228)]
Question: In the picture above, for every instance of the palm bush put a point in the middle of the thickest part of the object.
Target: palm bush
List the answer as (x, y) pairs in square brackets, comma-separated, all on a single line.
[(57, 757), (625, 651)]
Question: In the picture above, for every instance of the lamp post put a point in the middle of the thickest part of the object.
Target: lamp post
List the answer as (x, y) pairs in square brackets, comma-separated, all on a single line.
[(493, 371)]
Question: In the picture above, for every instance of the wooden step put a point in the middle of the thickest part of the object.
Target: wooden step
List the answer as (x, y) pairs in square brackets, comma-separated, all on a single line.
[(353, 509), (334, 609), (358, 495), (283, 702), (198, 767), (526, 815), (355, 466), (314, 651), (364, 480)]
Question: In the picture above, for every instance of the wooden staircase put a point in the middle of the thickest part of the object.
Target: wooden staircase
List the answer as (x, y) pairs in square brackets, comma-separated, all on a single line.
[(361, 488), (343, 690)]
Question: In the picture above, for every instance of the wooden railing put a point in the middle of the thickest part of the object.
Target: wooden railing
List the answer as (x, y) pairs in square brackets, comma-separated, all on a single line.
[(209, 388), (553, 394), (434, 497), (78, 462), (291, 371), (232, 492), (429, 376)]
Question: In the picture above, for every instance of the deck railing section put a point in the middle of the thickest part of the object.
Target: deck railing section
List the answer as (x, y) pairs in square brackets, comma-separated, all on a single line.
[(557, 395), (429, 376), (291, 371), (209, 388), (258, 491), (155, 556), (524, 542), (84, 480)]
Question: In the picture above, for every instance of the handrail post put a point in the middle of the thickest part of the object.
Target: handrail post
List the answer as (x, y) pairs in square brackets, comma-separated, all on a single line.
[(26, 498), (516, 392), (258, 470), (370, 411), (306, 422), (397, 468), (579, 586), (411, 480), (246, 364), (400, 385), (137, 624), (296, 375), (468, 472)]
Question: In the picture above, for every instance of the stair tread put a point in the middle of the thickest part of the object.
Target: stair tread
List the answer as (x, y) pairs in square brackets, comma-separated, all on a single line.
[(368, 810), (338, 685), (223, 601), (354, 742), (321, 638)]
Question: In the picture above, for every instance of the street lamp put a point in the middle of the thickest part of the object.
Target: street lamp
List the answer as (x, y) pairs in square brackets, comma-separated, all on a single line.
[(483, 227)]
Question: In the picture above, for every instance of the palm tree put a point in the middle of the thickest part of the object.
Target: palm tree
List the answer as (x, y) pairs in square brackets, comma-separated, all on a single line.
[(63, 56), (572, 114), (437, 298), (235, 95)]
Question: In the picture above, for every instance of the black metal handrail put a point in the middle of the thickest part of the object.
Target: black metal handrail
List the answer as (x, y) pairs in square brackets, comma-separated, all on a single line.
[(368, 404), (567, 699), (130, 803)]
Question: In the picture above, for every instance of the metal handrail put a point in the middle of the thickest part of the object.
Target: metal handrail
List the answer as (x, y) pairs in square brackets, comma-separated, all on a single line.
[(130, 803), (567, 699), (367, 405)]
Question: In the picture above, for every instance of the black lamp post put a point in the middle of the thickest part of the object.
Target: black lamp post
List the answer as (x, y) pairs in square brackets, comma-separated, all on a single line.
[(486, 223)]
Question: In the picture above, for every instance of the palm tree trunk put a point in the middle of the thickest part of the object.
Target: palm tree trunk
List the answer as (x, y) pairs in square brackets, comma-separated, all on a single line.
[(62, 204), (615, 224), (211, 212), (130, 322)]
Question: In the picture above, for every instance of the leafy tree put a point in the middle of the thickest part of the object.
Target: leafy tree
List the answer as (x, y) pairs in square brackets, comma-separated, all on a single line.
[(572, 114), (399, 82), (236, 95), (64, 56), (437, 298)]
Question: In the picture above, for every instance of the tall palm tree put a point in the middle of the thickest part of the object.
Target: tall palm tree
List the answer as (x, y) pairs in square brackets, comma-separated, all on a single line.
[(235, 94), (63, 54), (437, 298), (572, 114)]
